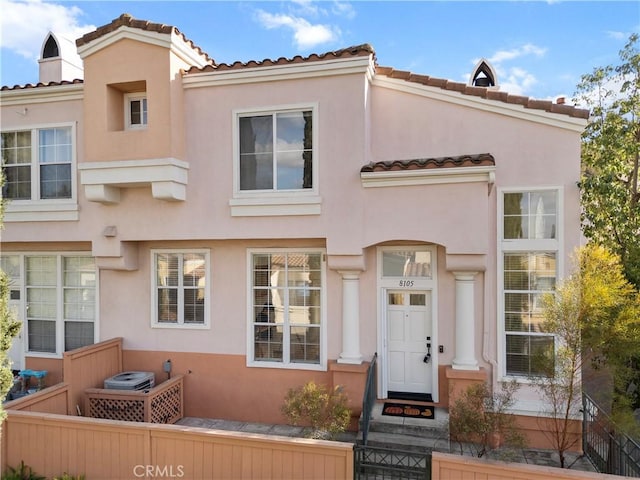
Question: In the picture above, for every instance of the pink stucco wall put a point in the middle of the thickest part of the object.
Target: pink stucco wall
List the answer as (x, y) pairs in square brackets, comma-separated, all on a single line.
[(358, 122)]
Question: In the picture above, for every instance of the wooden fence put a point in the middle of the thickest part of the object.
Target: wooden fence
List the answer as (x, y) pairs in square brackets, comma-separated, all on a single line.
[(447, 467), (87, 367), (107, 449)]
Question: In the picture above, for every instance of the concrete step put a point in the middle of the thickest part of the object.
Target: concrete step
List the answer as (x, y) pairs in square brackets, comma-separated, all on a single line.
[(411, 434), (408, 443)]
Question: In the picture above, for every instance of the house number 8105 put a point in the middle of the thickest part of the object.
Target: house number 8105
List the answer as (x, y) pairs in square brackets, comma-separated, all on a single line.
[(406, 283)]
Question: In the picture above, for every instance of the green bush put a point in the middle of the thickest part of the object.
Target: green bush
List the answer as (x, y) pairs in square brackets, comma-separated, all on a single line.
[(22, 472), (324, 410), (478, 420)]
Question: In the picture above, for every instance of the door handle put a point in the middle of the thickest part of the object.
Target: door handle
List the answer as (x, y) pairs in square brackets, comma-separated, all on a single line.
[(427, 357)]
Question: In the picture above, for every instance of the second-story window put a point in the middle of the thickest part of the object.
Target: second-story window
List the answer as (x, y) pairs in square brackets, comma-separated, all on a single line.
[(136, 108), (276, 151), (37, 163)]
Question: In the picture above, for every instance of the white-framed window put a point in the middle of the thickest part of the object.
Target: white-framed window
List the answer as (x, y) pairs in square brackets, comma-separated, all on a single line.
[(287, 308), (39, 163), (276, 149), (529, 266), (180, 288), (58, 299), (135, 106)]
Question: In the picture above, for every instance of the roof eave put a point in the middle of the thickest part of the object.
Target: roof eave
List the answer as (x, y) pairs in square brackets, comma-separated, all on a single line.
[(517, 110)]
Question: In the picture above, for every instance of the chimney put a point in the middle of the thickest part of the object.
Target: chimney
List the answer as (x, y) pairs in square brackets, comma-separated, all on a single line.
[(59, 60), (560, 101)]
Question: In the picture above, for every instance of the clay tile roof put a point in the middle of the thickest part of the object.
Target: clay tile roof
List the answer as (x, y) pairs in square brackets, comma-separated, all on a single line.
[(40, 84), (483, 92), (477, 160), (126, 20), (355, 51)]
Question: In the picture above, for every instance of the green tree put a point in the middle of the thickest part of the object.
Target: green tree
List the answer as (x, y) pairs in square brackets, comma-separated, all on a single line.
[(595, 316), (8, 327), (611, 157)]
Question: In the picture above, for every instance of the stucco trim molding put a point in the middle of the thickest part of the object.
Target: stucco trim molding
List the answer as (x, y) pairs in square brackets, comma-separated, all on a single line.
[(273, 73), (103, 180), (401, 178), (41, 212), (276, 206), (494, 106), (171, 41), (44, 94)]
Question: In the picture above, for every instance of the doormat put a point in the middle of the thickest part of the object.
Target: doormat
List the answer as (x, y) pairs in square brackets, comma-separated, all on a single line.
[(416, 397), (407, 410)]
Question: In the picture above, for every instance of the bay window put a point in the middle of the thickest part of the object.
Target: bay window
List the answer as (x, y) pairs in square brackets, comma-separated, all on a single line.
[(529, 269), (286, 294)]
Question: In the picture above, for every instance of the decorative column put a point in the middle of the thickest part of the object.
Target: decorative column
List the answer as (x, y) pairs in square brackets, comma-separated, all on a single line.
[(465, 358), (350, 317)]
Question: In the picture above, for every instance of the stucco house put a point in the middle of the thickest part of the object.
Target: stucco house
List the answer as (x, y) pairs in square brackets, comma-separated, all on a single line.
[(265, 223)]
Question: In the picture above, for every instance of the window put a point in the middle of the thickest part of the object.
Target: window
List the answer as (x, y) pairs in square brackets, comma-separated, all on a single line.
[(286, 307), (181, 297), (276, 151), (59, 302), (38, 164), (529, 270), (406, 263), (136, 108)]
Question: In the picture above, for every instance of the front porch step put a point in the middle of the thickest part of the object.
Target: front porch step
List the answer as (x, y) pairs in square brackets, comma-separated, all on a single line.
[(411, 434), (407, 443)]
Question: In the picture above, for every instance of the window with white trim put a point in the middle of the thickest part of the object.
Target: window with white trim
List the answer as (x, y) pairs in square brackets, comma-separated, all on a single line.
[(529, 245), (38, 163), (287, 290), (275, 151), (136, 110), (180, 292), (59, 306)]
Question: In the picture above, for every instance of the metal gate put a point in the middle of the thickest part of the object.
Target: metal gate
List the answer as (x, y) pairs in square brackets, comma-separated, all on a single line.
[(385, 464), (609, 451)]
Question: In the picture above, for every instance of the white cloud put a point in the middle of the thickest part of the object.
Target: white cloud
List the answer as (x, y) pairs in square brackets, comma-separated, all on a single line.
[(343, 10), (527, 49), (617, 35), (516, 80), (305, 7), (305, 34), (24, 24)]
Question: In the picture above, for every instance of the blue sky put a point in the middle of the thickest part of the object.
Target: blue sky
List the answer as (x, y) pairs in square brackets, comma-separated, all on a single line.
[(539, 48)]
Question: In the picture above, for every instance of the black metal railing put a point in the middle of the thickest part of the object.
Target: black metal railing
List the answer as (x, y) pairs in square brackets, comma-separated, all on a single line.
[(369, 398), (390, 464), (609, 450)]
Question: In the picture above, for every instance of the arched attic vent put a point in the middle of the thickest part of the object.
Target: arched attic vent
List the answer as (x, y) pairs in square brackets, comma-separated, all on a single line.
[(483, 75), (51, 48)]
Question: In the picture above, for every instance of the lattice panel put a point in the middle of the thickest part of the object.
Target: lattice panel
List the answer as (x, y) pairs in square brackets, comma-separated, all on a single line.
[(165, 406), (115, 409)]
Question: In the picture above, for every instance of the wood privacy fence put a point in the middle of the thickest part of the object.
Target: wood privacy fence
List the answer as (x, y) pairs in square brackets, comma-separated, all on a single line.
[(107, 449), (87, 367), (448, 467)]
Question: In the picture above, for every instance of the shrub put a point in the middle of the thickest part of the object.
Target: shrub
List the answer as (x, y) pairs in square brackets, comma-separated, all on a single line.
[(479, 420), (325, 410), (22, 472)]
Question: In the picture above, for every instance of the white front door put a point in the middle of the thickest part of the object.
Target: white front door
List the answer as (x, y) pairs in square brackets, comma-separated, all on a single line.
[(409, 329)]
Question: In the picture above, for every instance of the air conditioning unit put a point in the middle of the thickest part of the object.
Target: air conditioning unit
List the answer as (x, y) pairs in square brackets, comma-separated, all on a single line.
[(131, 381)]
